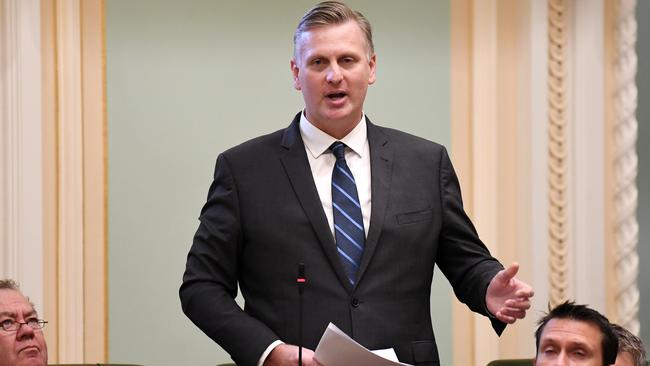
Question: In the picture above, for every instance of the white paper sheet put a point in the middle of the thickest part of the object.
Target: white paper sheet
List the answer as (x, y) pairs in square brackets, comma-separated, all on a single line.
[(337, 349)]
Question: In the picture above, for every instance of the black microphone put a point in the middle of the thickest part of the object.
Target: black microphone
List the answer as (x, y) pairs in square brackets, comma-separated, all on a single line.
[(301, 287)]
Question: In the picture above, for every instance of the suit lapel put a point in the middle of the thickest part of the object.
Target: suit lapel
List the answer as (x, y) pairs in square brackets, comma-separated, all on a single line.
[(297, 168), (381, 164)]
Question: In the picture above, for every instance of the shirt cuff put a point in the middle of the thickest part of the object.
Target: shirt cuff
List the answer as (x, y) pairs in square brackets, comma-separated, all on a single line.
[(268, 351)]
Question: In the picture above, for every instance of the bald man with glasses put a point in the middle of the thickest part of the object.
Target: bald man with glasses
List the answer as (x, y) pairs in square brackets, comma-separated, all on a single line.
[(21, 337)]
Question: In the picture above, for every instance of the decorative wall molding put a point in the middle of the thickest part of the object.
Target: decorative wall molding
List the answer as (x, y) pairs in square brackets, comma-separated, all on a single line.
[(75, 179), (462, 151), (490, 137), (70, 193), (549, 83), (21, 248), (539, 162), (626, 167), (485, 142), (587, 157), (558, 150), (95, 181)]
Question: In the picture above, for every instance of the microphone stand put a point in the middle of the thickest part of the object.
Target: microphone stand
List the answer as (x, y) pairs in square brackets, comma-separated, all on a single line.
[(301, 287)]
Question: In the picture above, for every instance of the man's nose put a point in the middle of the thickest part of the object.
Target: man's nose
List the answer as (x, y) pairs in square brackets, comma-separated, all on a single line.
[(24, 332), (562, 360), (334, 74)]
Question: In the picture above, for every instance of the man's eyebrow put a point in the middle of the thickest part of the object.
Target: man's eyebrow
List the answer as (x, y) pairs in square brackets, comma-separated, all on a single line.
[(8, 313)]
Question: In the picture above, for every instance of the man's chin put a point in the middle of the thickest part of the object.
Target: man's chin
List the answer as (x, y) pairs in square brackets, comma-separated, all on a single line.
[(31, 359)]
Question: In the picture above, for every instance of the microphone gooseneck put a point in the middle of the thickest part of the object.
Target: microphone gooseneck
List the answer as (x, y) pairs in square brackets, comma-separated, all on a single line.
[(301, 287)]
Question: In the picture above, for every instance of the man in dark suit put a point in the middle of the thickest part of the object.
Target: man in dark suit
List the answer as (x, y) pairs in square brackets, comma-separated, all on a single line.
[(368, 210)]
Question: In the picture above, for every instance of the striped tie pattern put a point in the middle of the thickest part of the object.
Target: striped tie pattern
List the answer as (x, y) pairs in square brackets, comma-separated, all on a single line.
[(348, 220)]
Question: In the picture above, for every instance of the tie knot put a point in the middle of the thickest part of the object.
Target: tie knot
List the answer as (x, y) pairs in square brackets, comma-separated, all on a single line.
[(338, 149)]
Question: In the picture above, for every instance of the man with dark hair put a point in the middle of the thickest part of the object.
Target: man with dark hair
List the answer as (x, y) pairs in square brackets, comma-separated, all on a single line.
[(368, 210), (21, 339), (631, 351), (573, 334)]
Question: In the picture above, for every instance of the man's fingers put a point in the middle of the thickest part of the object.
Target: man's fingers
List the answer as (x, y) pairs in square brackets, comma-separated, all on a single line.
[(518, 304), (505, 318), (513, 312), (509, 273), (525, 292)]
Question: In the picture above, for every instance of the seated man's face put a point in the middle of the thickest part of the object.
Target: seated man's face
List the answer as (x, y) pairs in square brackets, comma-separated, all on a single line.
[(25, 346), (624, 359), (566, 342)]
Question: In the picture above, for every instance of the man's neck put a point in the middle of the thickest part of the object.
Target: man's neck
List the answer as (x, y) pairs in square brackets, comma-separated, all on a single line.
[(337, 129)]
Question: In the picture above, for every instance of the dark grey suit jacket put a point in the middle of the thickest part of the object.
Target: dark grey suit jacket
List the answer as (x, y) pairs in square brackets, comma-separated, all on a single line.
[(263, 216)]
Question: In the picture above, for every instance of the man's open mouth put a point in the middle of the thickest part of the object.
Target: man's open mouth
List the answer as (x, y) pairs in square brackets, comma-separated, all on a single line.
[(335, 96)]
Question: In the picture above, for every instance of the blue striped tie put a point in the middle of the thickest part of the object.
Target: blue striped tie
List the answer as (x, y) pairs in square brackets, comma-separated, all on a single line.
[(348, 220)]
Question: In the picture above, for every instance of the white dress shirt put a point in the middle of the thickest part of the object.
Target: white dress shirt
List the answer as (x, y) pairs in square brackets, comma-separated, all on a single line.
[(321, 162)]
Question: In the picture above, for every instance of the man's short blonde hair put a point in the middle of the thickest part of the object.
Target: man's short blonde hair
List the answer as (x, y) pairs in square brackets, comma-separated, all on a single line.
[(333, 13)]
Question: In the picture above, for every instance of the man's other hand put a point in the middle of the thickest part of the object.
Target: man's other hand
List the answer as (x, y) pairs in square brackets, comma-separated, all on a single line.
[(287, 355), (508, 298)]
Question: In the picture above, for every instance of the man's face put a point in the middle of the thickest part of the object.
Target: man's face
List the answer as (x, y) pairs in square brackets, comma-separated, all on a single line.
[(570, 342), (26, 346), (624, 359), (333, 69)]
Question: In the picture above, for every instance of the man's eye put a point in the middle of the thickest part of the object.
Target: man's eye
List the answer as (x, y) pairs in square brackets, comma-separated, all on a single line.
[(549, 351), (7, 324), (317, 61), (32, 321), (579, 353)]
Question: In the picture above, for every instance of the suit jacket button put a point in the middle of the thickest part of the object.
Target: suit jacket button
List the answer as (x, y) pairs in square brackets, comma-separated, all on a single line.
[(355, 303)]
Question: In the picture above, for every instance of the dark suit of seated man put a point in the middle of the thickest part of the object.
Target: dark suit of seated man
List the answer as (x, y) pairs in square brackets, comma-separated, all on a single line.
[(369, 211)]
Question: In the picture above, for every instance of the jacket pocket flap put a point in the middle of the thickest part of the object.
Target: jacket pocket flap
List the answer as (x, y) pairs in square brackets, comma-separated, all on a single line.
[(411, 217)]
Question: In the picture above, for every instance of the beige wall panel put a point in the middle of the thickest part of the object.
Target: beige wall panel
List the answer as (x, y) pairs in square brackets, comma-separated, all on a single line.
[(513, 72), (94, 181), (50, 178), (461, 150), (610, 222), (74, 179), (587, 153), (70, 151), (485, 140)]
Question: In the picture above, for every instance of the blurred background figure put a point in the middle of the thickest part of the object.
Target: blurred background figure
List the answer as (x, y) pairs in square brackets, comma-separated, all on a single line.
[(631, 351)]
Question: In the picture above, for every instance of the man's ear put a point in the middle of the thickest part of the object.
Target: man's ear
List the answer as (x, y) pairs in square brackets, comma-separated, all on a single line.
[(373, 66), (294, 71)]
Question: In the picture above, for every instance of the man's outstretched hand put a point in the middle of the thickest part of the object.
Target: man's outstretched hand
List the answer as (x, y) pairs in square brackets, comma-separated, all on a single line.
[(508, 298), (287, 355)]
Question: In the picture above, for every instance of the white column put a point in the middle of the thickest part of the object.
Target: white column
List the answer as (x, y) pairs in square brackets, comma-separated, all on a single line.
[(588, 153), (21, 213), (539, 153)]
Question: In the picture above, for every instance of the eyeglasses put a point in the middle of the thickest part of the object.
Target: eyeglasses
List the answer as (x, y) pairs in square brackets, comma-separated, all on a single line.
[(10, 325)]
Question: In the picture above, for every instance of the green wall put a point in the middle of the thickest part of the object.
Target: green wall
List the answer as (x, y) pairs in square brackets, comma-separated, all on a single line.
[(188, 79)]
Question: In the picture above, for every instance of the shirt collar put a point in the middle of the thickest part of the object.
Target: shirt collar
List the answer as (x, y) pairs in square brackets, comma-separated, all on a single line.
[(317, 141)]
